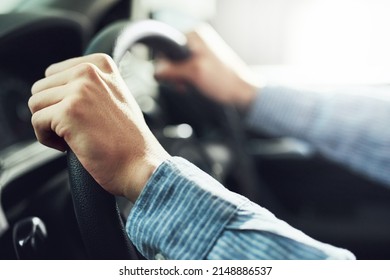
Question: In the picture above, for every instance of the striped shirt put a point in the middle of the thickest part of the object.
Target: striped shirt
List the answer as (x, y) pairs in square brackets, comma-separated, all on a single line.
[(183, 213)]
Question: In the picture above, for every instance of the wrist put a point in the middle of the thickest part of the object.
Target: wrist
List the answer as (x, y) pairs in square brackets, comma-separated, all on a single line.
[(139, 174), (245, 94)]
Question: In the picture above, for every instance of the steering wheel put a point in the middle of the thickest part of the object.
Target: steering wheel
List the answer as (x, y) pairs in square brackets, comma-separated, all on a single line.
[(97, 213)]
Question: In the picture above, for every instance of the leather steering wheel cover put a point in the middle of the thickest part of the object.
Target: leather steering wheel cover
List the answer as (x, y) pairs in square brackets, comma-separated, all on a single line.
[(98, 216), (97, 213)]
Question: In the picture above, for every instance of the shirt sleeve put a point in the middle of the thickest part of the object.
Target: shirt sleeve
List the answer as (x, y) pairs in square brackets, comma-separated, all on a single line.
[(349, 127), (183, 213)]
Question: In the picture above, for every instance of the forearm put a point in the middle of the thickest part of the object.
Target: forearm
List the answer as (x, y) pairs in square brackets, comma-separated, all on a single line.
[(185, 214), (348, 128)]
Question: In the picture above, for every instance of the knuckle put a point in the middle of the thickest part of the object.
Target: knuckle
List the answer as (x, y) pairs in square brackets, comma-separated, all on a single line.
[(37, 123), (34, 88), (32, 104), (35, 103), (103, 61), (82, 94), (73, 107), (88, 70), (34, 120), (84, 89)]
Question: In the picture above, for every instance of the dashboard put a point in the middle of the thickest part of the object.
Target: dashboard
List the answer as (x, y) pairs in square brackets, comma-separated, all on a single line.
[(15, 125), (29, 43)]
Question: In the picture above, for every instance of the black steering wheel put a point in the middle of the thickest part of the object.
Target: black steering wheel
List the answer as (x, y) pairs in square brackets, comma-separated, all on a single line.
[(97, 213)]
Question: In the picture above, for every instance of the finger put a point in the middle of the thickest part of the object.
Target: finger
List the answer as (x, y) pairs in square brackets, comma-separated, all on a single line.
[(103, 61), (45, 123), (46, 98), (80, 70), (56, 80)]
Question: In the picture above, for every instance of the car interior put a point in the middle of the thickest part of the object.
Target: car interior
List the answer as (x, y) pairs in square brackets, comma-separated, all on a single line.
[(42, 191)]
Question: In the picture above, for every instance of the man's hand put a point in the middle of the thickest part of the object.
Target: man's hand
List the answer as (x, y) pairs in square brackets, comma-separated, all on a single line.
[(84, 104), (213, 68)]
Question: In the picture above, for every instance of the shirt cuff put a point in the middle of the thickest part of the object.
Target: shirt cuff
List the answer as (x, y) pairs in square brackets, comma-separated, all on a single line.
[(156, 224)]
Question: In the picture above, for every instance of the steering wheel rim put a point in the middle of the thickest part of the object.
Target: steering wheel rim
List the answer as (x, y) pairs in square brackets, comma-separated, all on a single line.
[(100, 223), (98, 216), (173, 44)]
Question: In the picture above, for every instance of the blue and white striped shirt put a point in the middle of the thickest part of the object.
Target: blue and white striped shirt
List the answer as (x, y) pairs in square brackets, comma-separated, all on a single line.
[(184, 213)]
